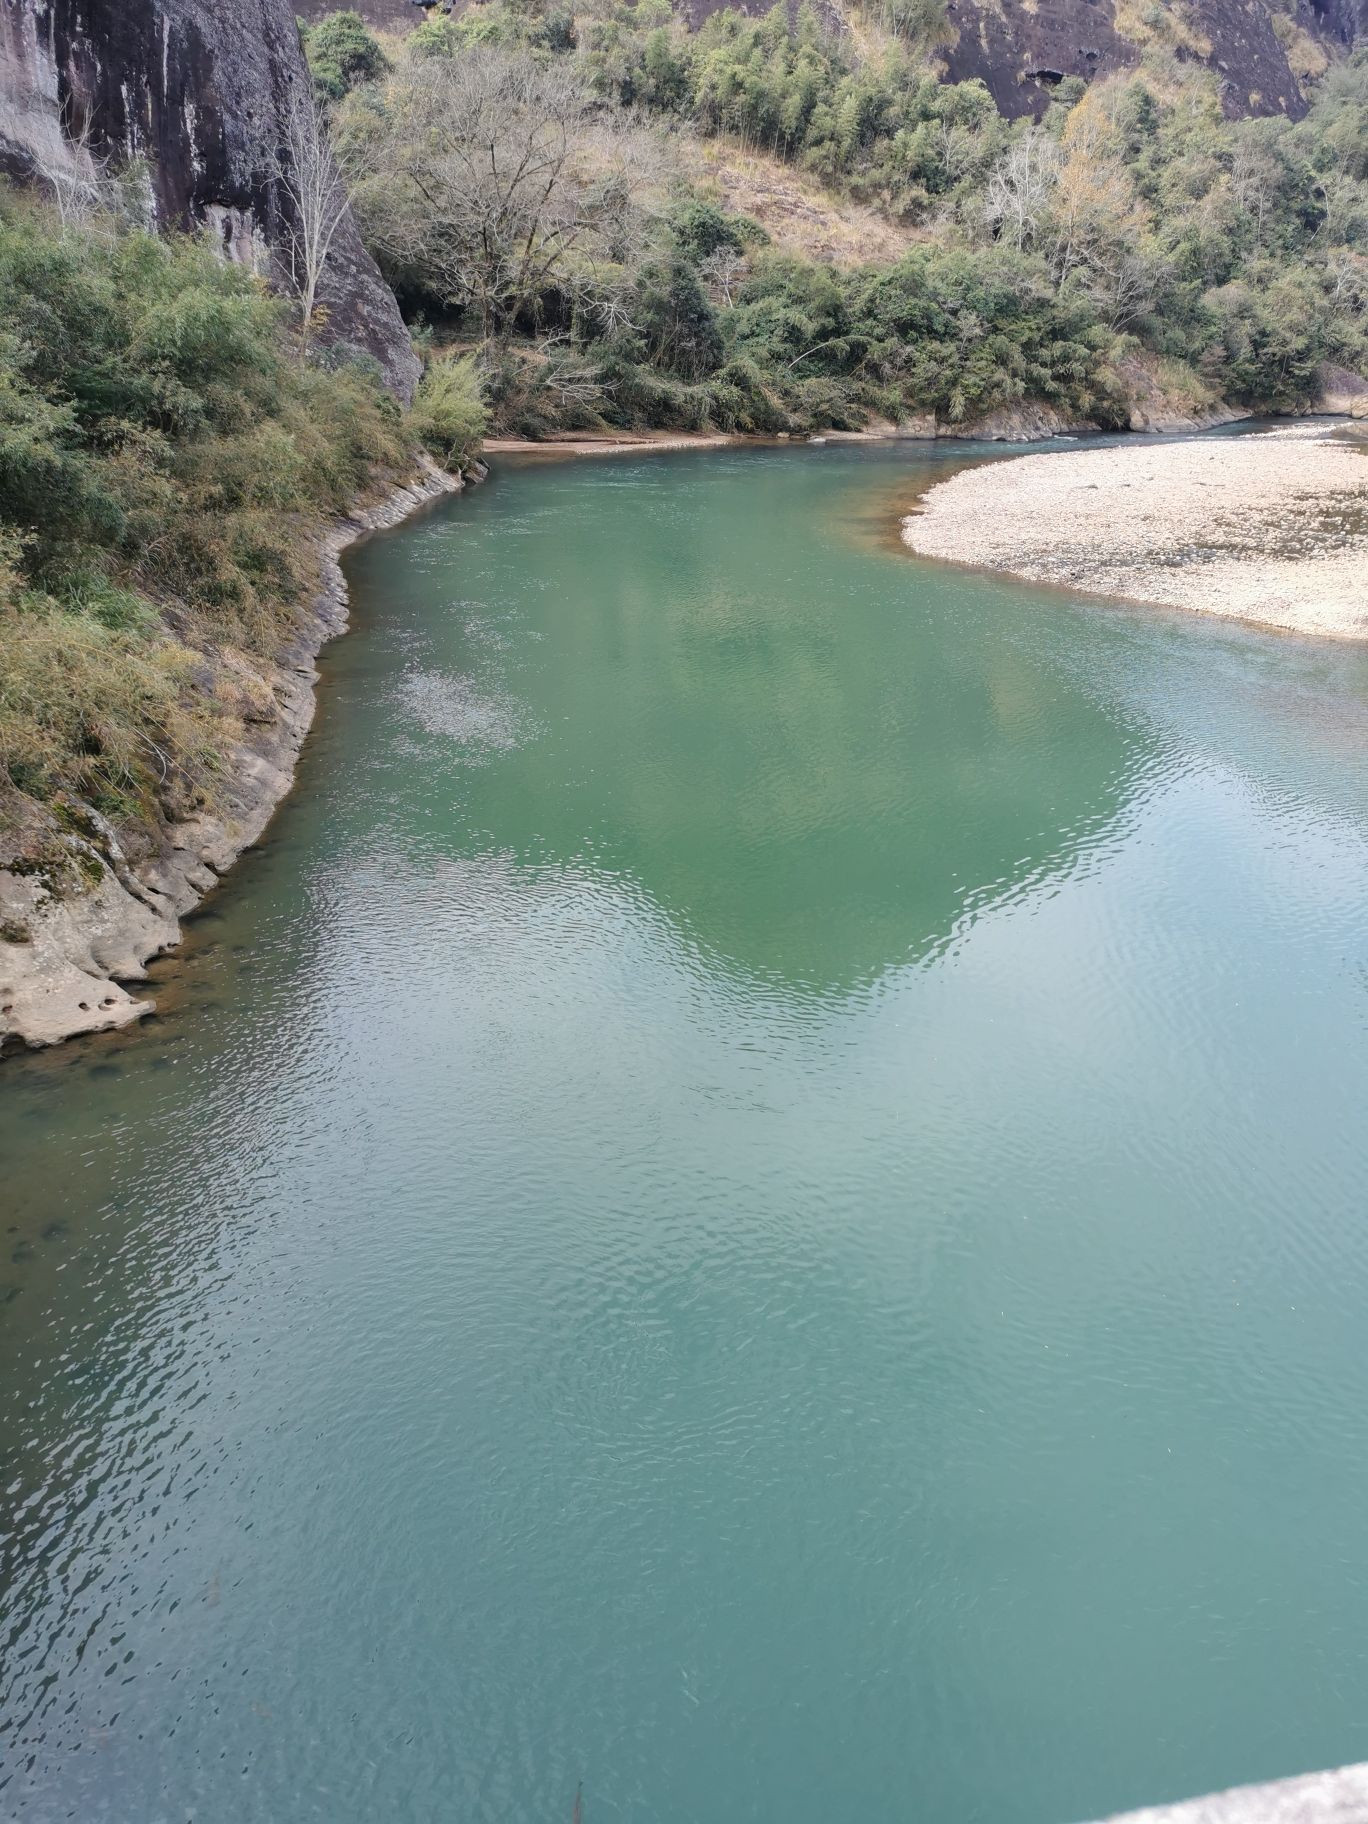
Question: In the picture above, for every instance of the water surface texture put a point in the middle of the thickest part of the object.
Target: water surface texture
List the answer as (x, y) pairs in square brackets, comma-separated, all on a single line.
[(757, 1201)]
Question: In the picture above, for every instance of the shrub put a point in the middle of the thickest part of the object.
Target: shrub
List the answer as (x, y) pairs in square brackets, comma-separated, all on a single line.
[(448, 415), (342, 54), (700, 228), (162, 470)]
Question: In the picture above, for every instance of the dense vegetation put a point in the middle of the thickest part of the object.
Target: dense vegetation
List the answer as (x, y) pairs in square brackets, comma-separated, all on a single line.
[(163, 456), (520, 177)]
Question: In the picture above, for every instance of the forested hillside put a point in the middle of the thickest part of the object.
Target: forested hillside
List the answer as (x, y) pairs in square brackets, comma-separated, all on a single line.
[(529, 180), (1265, 55)]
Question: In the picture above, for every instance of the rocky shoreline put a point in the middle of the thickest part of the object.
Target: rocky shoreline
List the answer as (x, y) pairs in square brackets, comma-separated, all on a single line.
[(1269, 527), (74, 931)]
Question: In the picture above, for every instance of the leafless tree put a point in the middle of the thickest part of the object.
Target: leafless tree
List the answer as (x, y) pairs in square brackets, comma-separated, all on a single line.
[(1346, 273), (78, 177), (1254, 178), (493, 176), (317, 188), (1124, 283), (1020, 186), (723, 269), (955, 144)]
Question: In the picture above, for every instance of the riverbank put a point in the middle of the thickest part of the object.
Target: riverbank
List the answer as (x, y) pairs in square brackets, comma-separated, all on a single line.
[(610, 443), (82, 919), (85, 920), (1270, 528)]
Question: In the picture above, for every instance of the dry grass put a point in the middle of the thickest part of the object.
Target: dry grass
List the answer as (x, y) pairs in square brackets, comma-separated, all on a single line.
[(800, 215), (1305, 58), (1162, 387), (106, 712), (1164, 23)]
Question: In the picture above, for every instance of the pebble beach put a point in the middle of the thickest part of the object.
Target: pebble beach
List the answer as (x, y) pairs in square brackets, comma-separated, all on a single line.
[(1269, 527)]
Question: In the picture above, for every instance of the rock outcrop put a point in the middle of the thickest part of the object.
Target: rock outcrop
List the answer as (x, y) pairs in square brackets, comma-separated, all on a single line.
[(79, 919), (1023, 52), (196, 91), (1343, 394)]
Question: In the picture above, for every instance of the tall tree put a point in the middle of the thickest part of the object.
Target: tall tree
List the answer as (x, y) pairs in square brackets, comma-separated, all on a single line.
[(316, 185)]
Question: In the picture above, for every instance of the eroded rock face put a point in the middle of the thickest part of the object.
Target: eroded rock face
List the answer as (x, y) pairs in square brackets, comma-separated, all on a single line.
[(197, 89), (1346, 21), (1022, 52)]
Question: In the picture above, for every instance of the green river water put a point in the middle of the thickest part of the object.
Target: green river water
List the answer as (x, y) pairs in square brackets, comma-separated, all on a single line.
[(757, 1201)]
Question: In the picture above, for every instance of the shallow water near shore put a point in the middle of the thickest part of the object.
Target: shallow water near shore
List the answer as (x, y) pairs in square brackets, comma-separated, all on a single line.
[(757, 1201)]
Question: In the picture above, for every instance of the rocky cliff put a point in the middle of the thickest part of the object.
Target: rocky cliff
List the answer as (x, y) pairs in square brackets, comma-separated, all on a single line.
[(1261, 54), (196, 90)]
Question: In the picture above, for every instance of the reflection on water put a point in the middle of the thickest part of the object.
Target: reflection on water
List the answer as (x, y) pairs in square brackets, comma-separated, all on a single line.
[(756, 1201)]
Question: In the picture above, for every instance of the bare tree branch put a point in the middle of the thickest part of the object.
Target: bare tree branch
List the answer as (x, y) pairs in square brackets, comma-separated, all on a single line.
[(317, 188)]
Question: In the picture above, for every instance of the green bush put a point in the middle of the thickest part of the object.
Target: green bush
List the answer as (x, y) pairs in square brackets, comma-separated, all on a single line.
[(342, 54), (163, 468), (1271, 340), (700, 228), (448, 415)]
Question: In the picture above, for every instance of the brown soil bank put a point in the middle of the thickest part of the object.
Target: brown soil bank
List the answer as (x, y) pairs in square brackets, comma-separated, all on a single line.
[(1271, 527)]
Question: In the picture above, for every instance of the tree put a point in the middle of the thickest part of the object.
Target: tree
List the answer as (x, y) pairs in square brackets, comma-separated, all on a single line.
[(1255, 176), (76, 176), (342, 53), (723, 269), (317, 190), (1020, 187), (493, 181), (1096, 227)]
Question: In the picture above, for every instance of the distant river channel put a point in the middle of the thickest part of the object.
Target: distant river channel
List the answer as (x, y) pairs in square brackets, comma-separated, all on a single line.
[(756, 1207)]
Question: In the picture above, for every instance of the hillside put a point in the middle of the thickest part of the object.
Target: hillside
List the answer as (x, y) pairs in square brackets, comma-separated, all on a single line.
[(794, 222), (1264, 53)]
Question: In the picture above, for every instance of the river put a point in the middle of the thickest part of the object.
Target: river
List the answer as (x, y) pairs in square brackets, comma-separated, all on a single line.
[(757, 1202)]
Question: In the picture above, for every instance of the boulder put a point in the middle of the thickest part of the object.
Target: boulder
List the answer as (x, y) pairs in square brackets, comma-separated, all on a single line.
[(1342, 393)]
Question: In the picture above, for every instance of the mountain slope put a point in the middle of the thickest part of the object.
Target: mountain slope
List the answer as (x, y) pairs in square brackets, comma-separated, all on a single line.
[(1263, 51)]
